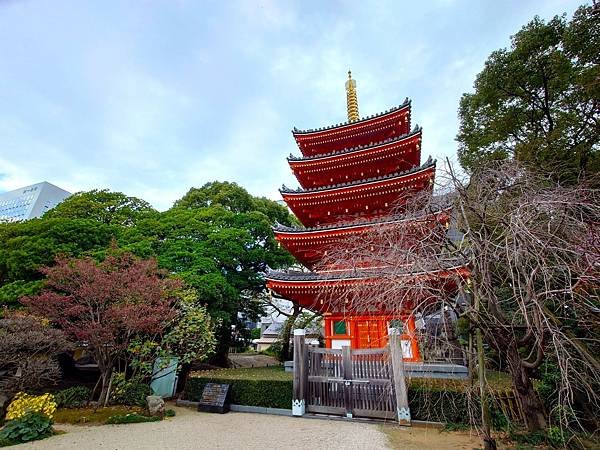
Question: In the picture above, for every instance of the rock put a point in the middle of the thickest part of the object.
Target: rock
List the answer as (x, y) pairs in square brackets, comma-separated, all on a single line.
[(156, 405)]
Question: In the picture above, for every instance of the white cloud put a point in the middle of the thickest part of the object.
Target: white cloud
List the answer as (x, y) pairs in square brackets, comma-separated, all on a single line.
[(153, 98)]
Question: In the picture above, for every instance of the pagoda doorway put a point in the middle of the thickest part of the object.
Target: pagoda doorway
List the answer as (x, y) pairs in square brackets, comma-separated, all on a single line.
[(371, 333)]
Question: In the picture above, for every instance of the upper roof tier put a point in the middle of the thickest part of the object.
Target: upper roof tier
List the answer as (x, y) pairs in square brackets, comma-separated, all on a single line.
[(396, 154), (366, 131), (369, 198)]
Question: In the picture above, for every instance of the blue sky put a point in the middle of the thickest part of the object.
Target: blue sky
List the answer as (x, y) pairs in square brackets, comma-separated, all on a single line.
[(153, 97)]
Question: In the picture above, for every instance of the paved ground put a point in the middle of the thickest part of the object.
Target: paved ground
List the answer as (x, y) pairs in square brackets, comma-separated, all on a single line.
[(194, 430)]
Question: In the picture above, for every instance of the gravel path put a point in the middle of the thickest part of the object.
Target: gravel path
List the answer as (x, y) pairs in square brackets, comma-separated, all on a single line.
[(195, 430)]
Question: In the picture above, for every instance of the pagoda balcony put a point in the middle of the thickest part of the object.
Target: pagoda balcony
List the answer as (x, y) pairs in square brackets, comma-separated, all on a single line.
[(376, 128), (365, 199), (316, 247), (382, 158)]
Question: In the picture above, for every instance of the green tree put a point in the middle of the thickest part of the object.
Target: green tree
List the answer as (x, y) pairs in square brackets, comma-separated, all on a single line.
[(25, 247), (538, 102), (234, 198), (112, 208), (216, 241), (230, 196)]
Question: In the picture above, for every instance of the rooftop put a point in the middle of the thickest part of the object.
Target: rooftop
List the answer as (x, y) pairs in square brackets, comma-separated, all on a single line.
[(366, 222), (429, 163), (372, 273), (406, 103), (416, 130)]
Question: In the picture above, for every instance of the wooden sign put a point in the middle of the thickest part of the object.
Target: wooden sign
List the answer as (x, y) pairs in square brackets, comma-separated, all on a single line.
[(214, 398)]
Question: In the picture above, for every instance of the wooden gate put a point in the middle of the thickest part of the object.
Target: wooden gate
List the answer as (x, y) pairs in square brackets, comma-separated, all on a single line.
[(354, 383)]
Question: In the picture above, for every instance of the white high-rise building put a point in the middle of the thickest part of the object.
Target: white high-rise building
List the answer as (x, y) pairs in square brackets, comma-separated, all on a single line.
[(30, 201)]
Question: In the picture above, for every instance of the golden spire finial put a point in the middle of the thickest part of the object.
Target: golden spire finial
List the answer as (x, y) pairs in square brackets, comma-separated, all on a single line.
[(351, 99)]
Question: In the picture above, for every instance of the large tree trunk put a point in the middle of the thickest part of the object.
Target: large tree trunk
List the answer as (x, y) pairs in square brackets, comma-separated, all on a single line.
[(531, 405), (105, 376), (223, 336)]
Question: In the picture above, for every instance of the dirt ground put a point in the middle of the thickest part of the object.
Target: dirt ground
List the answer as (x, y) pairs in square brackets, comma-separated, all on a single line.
[(252, 360), (429, 438), (194, 430)]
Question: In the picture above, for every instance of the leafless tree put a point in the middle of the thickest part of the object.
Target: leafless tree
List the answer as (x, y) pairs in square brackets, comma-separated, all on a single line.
[(523, 255)]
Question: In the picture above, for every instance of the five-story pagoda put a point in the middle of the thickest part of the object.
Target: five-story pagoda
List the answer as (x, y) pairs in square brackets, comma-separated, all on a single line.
[(353, 176)]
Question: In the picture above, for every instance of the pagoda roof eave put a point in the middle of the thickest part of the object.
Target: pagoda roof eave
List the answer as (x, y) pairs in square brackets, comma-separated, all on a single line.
[(360, 148), (282, 229), (451, 265), (297, 132), (290, 192)]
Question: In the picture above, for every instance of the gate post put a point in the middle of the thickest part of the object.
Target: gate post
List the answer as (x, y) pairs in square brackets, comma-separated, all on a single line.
[(299, 395), (402, 409), (347, 371)]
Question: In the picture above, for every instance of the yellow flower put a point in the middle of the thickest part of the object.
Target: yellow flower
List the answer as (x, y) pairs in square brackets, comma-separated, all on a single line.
[(24, 403)]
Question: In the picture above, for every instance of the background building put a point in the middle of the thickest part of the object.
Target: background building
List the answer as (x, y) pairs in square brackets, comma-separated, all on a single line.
[(30, 201)]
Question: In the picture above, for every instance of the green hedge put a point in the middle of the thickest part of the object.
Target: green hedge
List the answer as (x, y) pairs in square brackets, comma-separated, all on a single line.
[(265, 393), (436, 405), (432, 400)]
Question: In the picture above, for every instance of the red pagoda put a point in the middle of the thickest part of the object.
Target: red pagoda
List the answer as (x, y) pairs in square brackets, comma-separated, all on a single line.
[(353, 176)]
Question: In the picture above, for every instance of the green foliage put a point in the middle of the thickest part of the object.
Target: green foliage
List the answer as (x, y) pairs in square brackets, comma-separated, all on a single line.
[(433, 400), (170, 413), (217, 238), (93, 415), (103, 206), (132, 418), (128, 392), (438, 405), (27, 246), (234, 198), (10, 293), (30, 427), (548, 383), (191, 338), (230, 196), (5, 442), (532, 438), (537, 101), (219, 244), (72, 397), (266, 393), (557, 437), (255, 333), (450, 426), (276, 350)]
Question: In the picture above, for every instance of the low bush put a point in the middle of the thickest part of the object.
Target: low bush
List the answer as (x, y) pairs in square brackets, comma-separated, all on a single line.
[(90, 415), (72, 397), (128, 392), (4, 442), (28, 427), (266, 387), (131, 418), (170, 413)]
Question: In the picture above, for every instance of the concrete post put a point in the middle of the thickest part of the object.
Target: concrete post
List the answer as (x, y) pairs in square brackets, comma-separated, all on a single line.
[(298, 398), (402, 409)]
